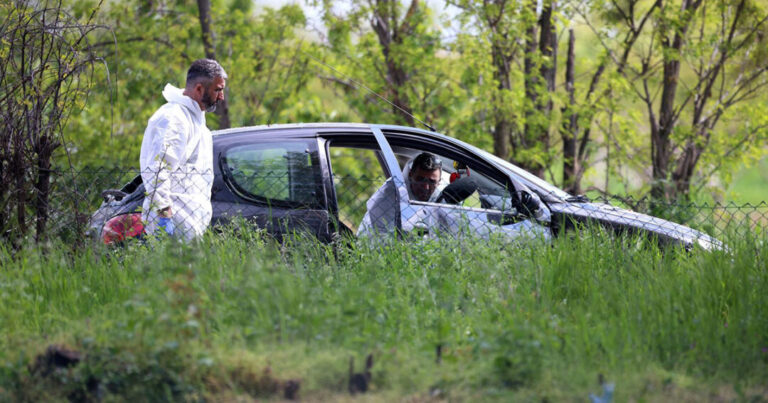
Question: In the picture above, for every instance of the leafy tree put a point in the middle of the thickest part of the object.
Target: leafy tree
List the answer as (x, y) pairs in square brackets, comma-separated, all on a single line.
[(602, 92), (204, 13), (46, 71), (393, 49), (154, 43), (697, 62), (494, 85), (513, 33)]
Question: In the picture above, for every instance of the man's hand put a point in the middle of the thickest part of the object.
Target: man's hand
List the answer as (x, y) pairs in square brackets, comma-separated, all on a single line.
[(164, 221)]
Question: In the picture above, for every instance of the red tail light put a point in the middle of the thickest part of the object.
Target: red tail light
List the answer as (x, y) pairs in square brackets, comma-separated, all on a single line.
[(121, 227)]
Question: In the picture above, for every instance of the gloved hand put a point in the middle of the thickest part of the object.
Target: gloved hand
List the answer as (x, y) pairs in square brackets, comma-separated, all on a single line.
[(166, 224), (526, 203)]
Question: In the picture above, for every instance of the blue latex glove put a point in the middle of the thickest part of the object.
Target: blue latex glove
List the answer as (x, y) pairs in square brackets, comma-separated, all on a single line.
[(607, 396), (166, 224)]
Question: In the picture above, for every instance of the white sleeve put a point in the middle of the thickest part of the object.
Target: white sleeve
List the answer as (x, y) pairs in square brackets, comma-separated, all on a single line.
[(162, 149), (382, 212)]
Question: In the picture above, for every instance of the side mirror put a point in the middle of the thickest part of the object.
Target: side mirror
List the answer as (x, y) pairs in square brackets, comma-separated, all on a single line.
[(526, 203)]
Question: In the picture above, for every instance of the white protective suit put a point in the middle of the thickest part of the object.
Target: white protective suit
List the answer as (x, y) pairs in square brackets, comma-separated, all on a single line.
[(177, 165), (382, 209)]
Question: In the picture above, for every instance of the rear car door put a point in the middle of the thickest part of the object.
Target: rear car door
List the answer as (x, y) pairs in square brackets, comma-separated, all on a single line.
[(272, 178)]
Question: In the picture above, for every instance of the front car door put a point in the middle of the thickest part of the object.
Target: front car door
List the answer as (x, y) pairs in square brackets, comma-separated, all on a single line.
[(487, 212)]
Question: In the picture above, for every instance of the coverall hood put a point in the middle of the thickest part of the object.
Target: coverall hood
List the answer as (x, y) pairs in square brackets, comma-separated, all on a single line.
[(175, 95)]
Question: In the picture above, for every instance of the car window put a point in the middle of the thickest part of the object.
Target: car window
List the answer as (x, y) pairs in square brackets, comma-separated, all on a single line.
[(357, 174), (532, 181), (277, 173), (461, 182)]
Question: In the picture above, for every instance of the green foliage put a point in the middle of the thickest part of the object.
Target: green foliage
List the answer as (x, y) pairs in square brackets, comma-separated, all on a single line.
[(355, 51), (47, 69), (357, 174), (282, 73), (153, 44)]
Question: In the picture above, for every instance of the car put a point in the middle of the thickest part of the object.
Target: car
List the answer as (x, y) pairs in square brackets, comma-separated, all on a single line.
[(328, 179)]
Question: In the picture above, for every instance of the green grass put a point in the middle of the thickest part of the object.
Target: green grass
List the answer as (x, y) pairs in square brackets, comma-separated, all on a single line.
[(750, 185), (234, 318)]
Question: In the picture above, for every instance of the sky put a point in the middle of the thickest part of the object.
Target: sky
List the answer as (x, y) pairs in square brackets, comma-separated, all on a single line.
[(314, 15)]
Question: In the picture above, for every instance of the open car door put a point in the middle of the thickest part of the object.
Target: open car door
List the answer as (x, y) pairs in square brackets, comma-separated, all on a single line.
[(484, 203)]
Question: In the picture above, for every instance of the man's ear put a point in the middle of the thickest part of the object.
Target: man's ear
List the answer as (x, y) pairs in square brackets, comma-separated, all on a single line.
[(199, 89)]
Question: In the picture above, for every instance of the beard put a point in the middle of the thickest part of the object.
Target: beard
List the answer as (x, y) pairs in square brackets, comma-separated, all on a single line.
[(209, 103)]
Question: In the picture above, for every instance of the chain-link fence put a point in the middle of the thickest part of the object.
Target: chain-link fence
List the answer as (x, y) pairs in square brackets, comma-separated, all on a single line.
[(106, 204), (73, 196)]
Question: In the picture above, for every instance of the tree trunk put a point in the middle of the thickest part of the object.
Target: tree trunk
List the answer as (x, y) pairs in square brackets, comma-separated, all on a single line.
[(17, 171), (42, 186), (686, 166), (530, 130), (389, 33), (538, 111), (661, 144), (204, 10), (547, 70), (502, 130), (571, 180), (548, 49)]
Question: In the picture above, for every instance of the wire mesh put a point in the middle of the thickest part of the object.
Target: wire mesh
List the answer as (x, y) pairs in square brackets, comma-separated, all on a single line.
[(82, 203)]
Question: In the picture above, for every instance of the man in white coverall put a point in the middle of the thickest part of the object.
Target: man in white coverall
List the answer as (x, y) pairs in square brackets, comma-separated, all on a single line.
[(177, 155), (422, 183), (388, 206)]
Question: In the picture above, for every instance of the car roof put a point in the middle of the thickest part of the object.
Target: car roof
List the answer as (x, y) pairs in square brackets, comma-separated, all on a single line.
[(336, 126), (290, 126)]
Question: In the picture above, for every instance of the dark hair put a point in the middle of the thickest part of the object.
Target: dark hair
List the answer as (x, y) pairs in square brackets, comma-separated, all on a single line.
[(204, 70), (427, 162)]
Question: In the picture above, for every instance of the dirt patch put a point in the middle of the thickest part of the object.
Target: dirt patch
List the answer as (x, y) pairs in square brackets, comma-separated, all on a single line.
[(264, 384)]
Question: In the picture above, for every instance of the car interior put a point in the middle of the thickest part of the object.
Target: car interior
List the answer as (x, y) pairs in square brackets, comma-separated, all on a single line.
[(464, 182)]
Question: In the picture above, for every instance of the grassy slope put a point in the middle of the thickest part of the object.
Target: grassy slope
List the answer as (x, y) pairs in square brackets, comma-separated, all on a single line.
[(179, 321), (750, 185)]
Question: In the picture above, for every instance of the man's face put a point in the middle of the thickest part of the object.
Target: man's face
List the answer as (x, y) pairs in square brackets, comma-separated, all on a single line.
[(424, 182), (212, 94)]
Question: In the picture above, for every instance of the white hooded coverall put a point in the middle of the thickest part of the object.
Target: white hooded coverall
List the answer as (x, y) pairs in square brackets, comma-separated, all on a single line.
[(177, 165)]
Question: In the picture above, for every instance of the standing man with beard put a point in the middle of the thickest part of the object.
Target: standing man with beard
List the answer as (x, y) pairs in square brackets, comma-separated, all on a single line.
[(177, 155)]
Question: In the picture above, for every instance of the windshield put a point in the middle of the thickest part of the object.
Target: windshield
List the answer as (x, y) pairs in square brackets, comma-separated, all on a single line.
[(530, 179)]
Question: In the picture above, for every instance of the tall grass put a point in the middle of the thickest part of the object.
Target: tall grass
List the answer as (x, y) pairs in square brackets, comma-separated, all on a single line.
[(169, 320)]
